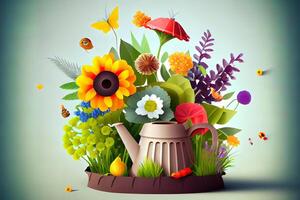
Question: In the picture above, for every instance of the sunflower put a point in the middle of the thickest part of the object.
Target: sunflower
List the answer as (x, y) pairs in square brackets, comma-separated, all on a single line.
[(140, 19), (180, 63), (106, 82)]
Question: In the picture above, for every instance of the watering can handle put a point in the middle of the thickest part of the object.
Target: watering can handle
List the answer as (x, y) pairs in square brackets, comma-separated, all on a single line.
[(213, 131)]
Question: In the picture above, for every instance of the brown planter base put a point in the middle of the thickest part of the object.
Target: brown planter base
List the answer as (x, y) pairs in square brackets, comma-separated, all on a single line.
[(161, 185)]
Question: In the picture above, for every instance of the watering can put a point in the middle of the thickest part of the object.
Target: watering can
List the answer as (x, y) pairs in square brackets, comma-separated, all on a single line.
[(166, 143)]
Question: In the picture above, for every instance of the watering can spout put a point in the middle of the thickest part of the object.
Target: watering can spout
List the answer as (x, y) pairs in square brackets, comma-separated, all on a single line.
[(130, 144)]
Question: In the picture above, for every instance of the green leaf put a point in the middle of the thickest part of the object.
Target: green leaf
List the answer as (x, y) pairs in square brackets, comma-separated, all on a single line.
[(187, 52), (226, 116), (115, 53), (164, 73), (130, 54), (179, 89), (229, 131), (217, 115), (202, 70), (164, 57), (135, 43), (145, 45), (151, 79), (228, 95), (69, 86), (72, 96)]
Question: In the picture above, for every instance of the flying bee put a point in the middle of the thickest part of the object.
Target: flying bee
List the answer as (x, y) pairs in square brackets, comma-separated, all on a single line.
[(64, 112)]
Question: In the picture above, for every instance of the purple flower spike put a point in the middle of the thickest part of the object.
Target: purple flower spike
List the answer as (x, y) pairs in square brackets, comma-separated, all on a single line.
[(244, 97)]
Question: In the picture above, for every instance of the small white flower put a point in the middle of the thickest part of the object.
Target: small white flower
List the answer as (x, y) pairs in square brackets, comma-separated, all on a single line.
[(150, 106)]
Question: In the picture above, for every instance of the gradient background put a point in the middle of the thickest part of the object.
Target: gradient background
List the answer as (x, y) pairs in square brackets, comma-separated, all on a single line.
[(34, 164)]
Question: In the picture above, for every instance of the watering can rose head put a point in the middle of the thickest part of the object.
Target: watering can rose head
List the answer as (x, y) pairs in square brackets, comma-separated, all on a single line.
[(152, 104)]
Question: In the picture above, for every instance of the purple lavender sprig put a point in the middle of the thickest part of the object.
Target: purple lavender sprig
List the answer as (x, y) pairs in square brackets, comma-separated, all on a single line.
[(219, 79), (204, 49)]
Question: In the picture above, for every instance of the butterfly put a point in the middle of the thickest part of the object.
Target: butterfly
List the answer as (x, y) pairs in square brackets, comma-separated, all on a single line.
[(111, 22), (262, 136)]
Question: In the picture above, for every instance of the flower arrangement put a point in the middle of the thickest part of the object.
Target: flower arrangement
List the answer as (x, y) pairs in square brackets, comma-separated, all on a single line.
[(124, 86)]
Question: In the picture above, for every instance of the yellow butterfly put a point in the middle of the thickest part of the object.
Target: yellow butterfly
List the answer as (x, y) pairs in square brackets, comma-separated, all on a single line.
[(110, 23)]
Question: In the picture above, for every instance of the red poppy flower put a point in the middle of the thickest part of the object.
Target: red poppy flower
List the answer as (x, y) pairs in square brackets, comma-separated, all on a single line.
[(168, 26), (194, 112)]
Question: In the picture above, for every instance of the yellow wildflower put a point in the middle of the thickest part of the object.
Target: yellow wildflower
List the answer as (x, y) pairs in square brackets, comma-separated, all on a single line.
[(140, 19), (180, 63), (69, 188), (259, 72), (40, 86), (233, 141)]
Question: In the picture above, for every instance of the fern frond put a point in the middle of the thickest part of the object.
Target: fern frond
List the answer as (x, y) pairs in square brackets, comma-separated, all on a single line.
[(71, 69)]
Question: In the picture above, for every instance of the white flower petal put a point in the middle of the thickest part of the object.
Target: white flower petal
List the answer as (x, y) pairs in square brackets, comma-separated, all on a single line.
[(141, 103), (159, 111), (152, 115), (159, 104), (140, 111), (153, 97)]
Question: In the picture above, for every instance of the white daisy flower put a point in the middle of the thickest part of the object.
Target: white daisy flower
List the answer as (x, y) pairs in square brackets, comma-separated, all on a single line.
[(150, 106)]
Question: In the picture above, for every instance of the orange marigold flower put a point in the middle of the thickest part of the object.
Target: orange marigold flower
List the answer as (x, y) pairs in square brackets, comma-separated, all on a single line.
[(180, 63), (140, 19), (233, 141), (106, 82)]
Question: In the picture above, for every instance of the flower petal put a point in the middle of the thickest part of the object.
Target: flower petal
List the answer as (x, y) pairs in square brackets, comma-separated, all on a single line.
[(131, 89), (90, 71), (95, 101), (90, 94), (108, 101), (119, 94), (108, 64), (124, 91), (123, 75), (84, 81), (124, 83)]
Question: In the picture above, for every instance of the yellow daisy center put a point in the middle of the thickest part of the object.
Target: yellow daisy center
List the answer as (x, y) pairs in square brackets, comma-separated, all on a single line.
[(150, 106)]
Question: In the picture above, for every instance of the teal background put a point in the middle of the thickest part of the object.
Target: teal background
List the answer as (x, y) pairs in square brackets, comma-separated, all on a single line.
[(33, 162)]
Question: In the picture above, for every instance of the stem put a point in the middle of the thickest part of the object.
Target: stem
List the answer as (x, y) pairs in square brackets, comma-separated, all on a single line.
[(115, 36), (159, 49), (86, 161), (230, 102), (237, 105)]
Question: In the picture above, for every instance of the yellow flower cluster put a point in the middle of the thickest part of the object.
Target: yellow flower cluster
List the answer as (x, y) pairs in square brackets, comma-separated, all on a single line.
[(233, 141), (140, 19), (180, 63)]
